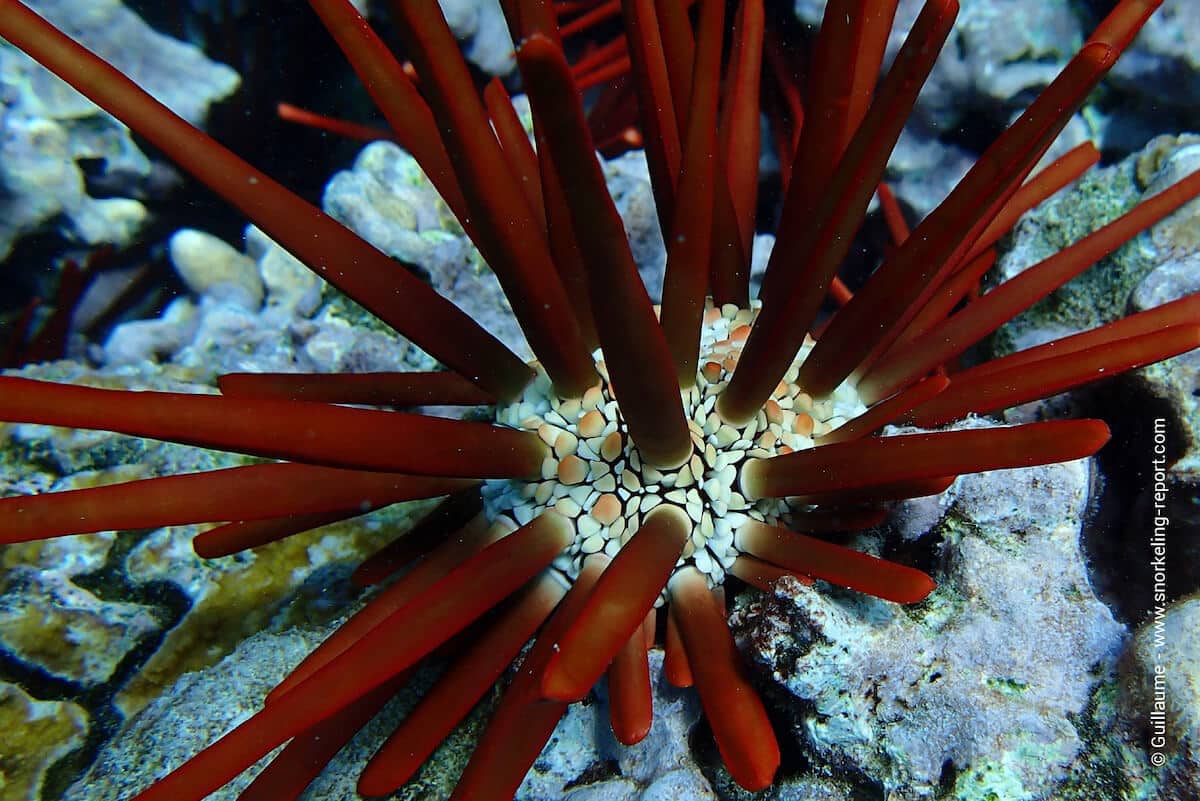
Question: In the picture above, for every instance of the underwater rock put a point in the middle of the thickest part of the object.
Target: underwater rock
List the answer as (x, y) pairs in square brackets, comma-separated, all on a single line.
[(1159, 266), (659, 768), (582, 761), (49, 130), (292, 289), (155, 340), (1157, 406), (629, 185), (812, 788), (1162, 66), (480, 26), (181, 722), (924, 168), (976, 689), (1165, 159), (287, 330), (176, 74), (1000, 53), (233, 597), (210, 267), (386, 199)]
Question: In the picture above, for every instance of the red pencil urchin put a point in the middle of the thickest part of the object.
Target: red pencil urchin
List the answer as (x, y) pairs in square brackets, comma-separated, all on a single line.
[(645, 456)]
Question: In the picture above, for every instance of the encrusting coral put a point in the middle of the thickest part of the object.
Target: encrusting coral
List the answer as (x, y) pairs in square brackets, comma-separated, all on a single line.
[(647, 454)]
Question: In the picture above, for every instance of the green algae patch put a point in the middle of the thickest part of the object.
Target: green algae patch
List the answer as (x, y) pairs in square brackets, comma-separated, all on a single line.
[(1101, 293), (236, 596), (65, 630), (36, 735)]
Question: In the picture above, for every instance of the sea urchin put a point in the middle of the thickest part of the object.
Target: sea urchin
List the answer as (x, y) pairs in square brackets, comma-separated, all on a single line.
[(648, 454)]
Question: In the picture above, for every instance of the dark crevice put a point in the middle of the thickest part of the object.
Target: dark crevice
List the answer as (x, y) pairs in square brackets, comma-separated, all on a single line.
[(598, 771), (1116, 537), (165, 601), (976, 130)]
